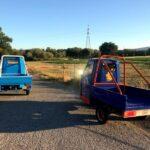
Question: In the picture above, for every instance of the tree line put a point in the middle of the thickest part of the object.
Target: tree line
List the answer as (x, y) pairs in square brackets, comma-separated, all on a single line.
[(48, 53)]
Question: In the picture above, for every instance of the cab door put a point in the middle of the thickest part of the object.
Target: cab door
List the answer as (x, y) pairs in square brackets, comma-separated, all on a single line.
[(86, 82)]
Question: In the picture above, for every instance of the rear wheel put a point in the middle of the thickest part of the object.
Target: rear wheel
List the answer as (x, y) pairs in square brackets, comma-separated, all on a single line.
[(27, 92), (101, 115), (141, 118)]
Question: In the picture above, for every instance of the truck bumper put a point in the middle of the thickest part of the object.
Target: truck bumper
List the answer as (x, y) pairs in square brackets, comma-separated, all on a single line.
[(85, 100), (15, 82), (136, 113)]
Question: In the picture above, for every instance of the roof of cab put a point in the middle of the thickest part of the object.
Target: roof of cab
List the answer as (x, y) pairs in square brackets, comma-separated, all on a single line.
[(12, 56), (96, 59)]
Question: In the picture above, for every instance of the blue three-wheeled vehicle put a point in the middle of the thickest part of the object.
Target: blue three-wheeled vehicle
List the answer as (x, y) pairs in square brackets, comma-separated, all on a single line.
[(101, 87), (14, 74)]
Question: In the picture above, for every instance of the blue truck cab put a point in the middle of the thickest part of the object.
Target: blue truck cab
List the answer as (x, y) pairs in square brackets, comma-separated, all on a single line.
[(101, 88), (14, 74)]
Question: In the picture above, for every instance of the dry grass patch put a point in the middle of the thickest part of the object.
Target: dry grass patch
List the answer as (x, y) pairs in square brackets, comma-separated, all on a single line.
[(69, 72)]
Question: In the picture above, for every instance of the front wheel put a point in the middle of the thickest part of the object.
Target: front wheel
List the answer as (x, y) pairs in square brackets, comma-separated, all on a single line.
[(101, 115)]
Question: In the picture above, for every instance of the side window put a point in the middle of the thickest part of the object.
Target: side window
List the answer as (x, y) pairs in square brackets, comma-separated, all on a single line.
[(88, 71)]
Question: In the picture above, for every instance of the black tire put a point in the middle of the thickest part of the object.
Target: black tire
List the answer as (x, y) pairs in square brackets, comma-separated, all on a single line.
[(141, 118), (27, 92), (101, 115)]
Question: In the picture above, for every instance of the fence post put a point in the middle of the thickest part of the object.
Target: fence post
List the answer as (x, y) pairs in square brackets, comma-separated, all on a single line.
[(74, 71), (64, 72)]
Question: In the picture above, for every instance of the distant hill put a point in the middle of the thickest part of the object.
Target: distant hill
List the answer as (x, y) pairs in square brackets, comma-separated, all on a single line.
[(141, 49)]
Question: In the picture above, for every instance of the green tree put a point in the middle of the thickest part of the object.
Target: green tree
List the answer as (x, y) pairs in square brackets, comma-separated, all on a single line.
[(148, 51), (29, 55), (51, 50), (95, 53), (5, 47), (108, 48), (48, 55), (16, 52), (73, 52), (37, 53), (61, 53), (86, 53)]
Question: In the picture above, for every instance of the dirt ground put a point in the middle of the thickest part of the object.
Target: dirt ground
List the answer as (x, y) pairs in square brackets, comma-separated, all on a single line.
[(53, 117)]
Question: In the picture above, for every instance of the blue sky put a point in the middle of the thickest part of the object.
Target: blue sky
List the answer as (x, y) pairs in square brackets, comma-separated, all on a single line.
[(63, 23)]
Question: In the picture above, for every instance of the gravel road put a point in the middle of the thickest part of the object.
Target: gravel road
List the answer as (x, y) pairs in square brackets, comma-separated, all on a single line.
[(54, 118)]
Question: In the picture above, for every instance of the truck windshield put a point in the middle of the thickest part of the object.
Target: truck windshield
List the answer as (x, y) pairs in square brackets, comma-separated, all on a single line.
[(13, 62), (13, 66)]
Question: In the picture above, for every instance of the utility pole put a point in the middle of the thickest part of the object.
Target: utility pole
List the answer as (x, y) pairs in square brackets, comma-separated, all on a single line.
[(88, 42)]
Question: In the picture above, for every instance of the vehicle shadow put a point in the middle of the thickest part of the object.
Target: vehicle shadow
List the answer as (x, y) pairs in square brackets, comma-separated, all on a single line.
[(26, 116)]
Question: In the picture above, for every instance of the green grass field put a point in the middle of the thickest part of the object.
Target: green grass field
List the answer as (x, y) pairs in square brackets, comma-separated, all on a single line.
[(137, 59), (140, 60)]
